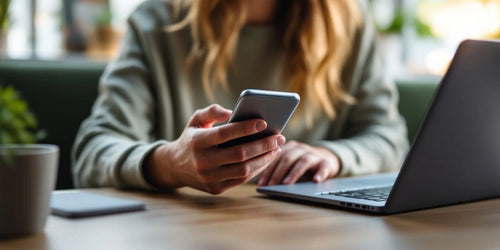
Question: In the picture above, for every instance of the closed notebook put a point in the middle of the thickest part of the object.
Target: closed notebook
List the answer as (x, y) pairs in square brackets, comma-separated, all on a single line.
[(75, 204)]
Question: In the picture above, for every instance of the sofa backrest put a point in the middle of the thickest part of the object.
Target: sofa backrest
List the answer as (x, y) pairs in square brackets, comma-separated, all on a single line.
[(61, 95), (414, 98)]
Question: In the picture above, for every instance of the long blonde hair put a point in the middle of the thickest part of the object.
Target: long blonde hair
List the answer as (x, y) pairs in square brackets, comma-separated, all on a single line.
[(317, 37)]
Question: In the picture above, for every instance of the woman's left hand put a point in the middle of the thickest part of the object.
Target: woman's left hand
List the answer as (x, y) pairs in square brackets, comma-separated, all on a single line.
[(297, 159)]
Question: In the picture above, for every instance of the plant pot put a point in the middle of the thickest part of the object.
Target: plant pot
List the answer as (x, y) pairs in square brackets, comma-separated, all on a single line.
[(25, 187)]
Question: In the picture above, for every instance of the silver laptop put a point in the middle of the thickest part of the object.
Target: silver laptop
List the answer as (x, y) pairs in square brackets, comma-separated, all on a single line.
[(454, 158)]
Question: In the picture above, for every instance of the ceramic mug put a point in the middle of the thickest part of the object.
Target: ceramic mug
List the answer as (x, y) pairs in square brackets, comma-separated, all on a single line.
[(26, 183)]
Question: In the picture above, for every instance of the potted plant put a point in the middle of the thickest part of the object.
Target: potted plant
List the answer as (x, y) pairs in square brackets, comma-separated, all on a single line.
[(103, 36), (27, 170), (103, 28)]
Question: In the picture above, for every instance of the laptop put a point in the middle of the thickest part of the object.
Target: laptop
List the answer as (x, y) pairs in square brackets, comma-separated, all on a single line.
[(454, 158)]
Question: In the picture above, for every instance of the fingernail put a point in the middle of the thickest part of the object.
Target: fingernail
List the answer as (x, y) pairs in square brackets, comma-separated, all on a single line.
[(280, 140), (261, 182), (261, 125), (317, 178), (287, 180)]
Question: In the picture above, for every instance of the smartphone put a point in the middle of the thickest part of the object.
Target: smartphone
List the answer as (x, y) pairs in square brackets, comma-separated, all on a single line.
[(77, 204), (274, 107)]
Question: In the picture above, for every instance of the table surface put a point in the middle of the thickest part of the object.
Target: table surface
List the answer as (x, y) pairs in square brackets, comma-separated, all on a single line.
[(241, 218)]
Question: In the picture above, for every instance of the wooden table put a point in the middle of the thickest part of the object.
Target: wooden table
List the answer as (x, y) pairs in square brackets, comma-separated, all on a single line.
[(244, 219)]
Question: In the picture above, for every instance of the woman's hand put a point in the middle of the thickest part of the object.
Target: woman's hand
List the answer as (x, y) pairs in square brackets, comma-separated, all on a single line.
[(295, 160), (194, 159)]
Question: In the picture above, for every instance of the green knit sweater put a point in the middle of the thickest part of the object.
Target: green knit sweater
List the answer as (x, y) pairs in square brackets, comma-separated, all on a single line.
[(146, 99)]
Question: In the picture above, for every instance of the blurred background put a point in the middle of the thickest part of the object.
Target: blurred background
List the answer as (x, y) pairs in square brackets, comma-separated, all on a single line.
[(418, 37)]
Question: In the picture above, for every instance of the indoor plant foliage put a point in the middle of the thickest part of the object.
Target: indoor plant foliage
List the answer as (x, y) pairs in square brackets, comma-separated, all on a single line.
[(27, 170), (17, 124)]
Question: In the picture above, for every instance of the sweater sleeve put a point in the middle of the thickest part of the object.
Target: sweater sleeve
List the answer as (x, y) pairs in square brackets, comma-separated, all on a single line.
[(374, 136), (113, 142)]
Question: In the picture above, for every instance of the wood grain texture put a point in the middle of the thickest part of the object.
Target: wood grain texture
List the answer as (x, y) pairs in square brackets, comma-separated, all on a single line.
[(243, 219)]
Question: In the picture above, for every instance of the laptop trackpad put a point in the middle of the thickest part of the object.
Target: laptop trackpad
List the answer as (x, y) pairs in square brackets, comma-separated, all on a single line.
[(360, 182), (374, 180)]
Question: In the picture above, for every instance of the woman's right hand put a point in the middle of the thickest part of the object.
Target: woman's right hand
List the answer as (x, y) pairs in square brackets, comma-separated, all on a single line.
[(194, 159)]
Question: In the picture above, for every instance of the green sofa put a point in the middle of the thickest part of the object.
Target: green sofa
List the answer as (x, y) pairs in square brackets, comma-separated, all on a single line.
[(61, 94)]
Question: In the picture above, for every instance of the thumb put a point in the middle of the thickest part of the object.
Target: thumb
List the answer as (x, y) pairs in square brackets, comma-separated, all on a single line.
[(205, 118)]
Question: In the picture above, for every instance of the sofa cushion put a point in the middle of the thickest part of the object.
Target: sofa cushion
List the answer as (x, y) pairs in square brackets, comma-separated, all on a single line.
[(414, 98), (61, 95)]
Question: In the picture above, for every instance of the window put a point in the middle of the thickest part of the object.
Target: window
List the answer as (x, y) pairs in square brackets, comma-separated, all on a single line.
[(418, 37), (56, 29)]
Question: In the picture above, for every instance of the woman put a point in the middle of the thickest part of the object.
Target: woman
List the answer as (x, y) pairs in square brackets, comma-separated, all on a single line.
[(152, 125)]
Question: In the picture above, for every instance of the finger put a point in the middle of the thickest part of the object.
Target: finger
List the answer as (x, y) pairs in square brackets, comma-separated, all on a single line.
[(247, 151), (205, 118), (285, 164), (263, 180), (240, 170), (224, 186), (227, 132), (236, 174), (234, 182), (306, 162), (323, 173), (268, 172)]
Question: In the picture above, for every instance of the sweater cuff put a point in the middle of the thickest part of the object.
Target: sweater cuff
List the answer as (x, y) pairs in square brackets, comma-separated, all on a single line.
[(345, 154), (131, 171)]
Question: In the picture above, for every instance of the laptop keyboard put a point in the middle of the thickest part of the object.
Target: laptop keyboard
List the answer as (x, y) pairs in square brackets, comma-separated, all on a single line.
[(373, 194)]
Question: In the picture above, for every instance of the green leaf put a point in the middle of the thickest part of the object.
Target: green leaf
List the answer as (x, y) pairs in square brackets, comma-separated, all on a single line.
[(18, 125), (396, 25), (423, 29)]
